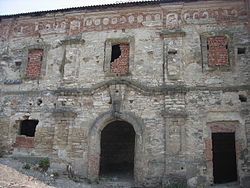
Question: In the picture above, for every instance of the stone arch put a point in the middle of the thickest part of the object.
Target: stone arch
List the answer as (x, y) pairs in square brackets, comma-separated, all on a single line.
[(95, 137)]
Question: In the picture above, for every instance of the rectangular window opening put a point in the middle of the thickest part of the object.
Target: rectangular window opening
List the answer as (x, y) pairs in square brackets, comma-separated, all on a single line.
[(28, 127), (224, 157)]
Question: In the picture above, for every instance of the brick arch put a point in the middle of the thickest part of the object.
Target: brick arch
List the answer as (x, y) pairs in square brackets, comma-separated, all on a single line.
[(95, 140)]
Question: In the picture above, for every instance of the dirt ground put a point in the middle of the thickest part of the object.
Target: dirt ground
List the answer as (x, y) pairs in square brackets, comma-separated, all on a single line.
[(10, 178), (13, 175)]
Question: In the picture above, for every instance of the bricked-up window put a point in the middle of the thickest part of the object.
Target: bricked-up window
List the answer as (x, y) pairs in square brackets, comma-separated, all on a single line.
[(28, 127), (35, 58), (120, 59), (217, 48)]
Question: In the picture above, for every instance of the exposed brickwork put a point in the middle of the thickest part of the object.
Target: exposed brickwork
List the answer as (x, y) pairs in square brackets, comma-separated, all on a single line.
[(77, 24), (24, 142), (217, 51), (88, 103), (208, 150), (121, 64), (34, 63), (217, 127), (222, 127)]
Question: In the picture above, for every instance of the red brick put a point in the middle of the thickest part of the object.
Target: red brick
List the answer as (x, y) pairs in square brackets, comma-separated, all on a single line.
[(24, 142), (208, 154), (217, 51), (35, 62), (121, 64), (89, 103), (223, 128)]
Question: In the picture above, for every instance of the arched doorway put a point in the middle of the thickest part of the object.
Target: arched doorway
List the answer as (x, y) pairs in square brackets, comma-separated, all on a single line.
[(94, 149), (117, 150)]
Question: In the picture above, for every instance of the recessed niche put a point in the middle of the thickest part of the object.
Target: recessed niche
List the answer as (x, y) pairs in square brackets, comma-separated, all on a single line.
[(39, 101), (18, 63), (172, 52), (242, 98), (241, 51)]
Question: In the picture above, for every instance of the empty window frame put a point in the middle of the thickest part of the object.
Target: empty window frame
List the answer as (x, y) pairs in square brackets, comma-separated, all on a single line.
[(28, 127), (119, 58)]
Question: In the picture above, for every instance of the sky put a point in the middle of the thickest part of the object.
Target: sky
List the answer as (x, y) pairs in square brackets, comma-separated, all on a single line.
[(21, 6)]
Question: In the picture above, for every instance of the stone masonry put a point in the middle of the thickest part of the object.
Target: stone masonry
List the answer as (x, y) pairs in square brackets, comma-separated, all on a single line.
[(182, 75)]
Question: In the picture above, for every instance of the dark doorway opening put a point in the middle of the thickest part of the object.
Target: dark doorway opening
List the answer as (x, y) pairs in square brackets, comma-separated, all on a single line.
[(116, 52), (117, 150), (28, 127), (224, 157)]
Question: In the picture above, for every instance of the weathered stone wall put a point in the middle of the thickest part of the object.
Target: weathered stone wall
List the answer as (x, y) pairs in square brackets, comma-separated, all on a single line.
[(55, 68)]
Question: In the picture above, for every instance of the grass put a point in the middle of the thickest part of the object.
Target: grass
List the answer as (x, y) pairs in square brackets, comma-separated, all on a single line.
[(177, 185), (44, 164), (26, 166)]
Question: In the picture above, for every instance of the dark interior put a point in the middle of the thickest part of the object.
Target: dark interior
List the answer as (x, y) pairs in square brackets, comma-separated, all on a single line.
[(117, 150), (241, 50), (116, 52), (242, 98), (28, 127), (224, 157)]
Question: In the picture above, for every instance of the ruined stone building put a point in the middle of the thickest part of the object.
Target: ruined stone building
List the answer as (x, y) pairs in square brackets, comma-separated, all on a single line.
[(156, 90)]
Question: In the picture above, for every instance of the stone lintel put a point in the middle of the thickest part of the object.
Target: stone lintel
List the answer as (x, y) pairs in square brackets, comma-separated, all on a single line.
[(172, 33), (175, 114)]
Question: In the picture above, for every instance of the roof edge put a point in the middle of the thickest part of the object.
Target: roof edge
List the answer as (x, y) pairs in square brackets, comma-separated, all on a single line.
[(93, 7)]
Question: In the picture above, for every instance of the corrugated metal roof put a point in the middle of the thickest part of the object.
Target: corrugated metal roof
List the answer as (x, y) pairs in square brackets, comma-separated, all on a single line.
[(97, 7)]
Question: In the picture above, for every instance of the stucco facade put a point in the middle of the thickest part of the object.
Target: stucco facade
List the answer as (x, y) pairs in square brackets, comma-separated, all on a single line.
[(182, 74)]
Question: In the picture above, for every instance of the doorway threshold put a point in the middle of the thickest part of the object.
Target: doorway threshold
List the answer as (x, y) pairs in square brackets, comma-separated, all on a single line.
[(117, 181), (227, 185)]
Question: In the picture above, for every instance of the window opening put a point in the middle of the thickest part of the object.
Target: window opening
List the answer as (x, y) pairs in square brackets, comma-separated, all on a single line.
[(224, 157), (116, 52), (28, 127)]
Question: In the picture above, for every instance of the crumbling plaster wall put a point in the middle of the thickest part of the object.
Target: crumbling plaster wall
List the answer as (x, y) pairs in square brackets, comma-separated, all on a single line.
[(168, 88)]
